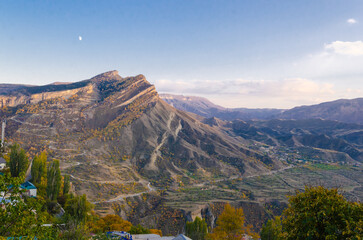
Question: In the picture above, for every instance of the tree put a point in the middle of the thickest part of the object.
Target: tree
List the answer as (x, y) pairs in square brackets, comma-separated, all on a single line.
[(156, 231), (139, 230), (18, 161), (196, 230), (272, 230), (66, 184), (54, 179), (230, 225), (20, 217), (111, 223), (78, 208), (320, 213), (39, 168)]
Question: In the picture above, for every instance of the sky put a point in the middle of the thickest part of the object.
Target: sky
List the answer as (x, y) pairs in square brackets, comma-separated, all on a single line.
[(245, 53)]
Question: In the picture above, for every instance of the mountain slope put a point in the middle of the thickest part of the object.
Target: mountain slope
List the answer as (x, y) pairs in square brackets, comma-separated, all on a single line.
[(113, 130), (316, 139)]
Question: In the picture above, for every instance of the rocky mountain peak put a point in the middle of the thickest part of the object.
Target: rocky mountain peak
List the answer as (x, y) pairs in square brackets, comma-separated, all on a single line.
[(110, 75)]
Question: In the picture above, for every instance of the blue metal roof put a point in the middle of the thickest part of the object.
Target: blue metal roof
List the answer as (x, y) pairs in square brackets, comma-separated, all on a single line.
[(28, 185)]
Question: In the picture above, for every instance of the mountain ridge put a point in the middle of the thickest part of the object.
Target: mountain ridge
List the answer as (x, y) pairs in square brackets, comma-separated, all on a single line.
[(345, 110)]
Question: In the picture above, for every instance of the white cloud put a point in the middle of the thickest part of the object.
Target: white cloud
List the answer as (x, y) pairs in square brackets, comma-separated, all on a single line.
[(346, 48), (351, 21), (332, 73)]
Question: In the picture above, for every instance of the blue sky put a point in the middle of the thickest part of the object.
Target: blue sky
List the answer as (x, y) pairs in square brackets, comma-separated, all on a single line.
[(236, 53)]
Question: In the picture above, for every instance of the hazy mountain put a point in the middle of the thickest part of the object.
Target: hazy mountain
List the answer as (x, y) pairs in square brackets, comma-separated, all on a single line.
[(205, 108), (343, 110), (349, 111)]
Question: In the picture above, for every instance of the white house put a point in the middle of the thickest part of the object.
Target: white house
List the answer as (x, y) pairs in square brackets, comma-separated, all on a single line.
[(30, 189), (2, 163)]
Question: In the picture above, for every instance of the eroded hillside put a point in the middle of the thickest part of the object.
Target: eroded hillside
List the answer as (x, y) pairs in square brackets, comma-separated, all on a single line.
[(114, 135)]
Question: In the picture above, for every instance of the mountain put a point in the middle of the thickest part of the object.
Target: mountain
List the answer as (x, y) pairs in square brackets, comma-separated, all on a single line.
[(203, 107), (115, 129), (135, 155), (302, 129), (343, 110)]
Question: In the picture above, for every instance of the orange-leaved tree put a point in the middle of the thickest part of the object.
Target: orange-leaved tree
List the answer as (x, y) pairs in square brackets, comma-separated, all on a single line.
[(111, 223), (231, 225)]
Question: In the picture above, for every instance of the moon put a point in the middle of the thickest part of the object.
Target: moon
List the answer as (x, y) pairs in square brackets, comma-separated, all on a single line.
[(80, 38)]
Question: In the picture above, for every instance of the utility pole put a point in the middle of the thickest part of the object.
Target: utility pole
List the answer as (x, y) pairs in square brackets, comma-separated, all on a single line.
[(3, 132)]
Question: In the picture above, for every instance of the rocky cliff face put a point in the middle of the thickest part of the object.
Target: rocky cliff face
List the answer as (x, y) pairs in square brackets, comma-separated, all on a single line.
[(21, 99)]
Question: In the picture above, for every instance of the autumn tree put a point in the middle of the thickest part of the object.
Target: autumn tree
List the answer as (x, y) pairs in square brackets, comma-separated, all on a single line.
[(196, 230), (156, 231), (39, 168), (320, 213), (54, 179), (18, 161), (111, 223), (231, 225)]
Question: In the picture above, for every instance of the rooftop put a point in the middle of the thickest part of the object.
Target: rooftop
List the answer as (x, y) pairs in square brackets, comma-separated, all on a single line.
[(27, 185)]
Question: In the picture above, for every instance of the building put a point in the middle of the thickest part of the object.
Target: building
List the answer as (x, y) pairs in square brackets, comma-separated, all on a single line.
[(157, 237), (181, 237), (30, 189), (2, 163)]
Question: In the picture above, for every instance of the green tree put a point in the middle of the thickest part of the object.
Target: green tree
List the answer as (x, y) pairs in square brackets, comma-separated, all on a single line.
[(39, 168), (20, 217), (272, 230), (66, 184), (231, 225), (320, 213), (54, 180), (18, 161), (196, 230), (78, 208)]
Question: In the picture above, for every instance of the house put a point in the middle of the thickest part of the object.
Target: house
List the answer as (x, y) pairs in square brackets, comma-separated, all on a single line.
[(150, 237), (181, 237), (157, 237), (30, 189), (2, 163)]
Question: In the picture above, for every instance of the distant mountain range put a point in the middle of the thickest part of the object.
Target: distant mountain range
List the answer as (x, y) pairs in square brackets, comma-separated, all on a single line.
[(203, 107), (349, 111)]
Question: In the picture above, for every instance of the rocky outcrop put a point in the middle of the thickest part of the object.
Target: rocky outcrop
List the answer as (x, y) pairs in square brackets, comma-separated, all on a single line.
[(21, 99)]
